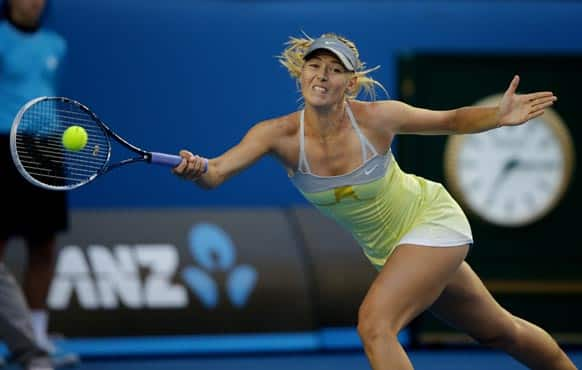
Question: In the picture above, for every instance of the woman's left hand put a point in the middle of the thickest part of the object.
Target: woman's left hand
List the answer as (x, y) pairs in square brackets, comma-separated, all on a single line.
[(515, 109)]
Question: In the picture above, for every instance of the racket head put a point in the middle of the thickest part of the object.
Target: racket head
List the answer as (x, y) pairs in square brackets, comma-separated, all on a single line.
[(37, 149)]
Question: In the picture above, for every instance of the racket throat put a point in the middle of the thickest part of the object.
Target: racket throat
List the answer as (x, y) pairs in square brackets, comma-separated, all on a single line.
[(127, 161)]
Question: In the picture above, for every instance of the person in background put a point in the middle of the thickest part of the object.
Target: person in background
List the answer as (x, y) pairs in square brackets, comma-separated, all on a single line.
[(16, 330), (30, 61), (336, 151)]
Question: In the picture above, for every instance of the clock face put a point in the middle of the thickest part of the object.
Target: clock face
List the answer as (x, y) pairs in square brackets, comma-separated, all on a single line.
[(511, 176)]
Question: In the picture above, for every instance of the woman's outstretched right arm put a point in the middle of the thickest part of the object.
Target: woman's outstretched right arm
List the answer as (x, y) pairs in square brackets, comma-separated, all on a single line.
[(257, 142)]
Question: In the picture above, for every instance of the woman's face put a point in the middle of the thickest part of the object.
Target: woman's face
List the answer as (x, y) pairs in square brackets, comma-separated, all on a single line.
[(27, 11), (324, 80)]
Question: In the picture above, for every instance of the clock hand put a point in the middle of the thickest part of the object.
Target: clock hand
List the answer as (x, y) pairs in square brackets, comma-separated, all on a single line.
[(509, 166), (536, 166)]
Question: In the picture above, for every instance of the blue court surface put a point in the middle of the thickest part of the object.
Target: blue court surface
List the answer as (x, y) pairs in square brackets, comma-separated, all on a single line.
[(422, 360)]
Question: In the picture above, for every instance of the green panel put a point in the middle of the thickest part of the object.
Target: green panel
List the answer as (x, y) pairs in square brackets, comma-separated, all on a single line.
[(547, 250)]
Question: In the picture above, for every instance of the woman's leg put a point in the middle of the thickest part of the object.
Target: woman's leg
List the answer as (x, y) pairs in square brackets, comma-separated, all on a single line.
[(467, 305), (412, 279)]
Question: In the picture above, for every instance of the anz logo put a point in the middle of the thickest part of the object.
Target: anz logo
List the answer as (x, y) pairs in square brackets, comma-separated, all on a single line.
[(206, 241), (142, 276)]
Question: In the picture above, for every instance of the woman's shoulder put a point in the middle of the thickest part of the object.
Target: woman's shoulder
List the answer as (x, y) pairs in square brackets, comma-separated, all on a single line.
[(372, 113), (280, 134), (286, 125), (371, 108)]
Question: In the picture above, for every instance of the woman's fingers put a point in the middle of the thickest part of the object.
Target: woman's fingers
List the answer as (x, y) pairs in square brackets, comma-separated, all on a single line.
[(540, 95), (544, 101), (191, 167)]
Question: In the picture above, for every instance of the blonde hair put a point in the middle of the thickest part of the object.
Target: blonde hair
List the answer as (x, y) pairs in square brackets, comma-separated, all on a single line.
[(292, 59)]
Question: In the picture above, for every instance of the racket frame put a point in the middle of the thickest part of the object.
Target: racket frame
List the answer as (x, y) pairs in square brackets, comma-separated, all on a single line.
[(144, 156)]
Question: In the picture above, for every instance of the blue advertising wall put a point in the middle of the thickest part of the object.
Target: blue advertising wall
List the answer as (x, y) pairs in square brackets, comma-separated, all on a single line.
[(197, 74)]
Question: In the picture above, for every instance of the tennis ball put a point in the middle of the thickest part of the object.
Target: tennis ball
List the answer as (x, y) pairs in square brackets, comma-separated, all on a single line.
[(75, 138)]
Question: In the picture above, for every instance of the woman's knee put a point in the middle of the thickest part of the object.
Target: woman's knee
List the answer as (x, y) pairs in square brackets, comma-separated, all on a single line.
[(504, 336), (374, 325)]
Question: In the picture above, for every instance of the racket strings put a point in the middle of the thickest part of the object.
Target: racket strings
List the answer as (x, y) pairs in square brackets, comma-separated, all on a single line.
[(54, 138), (40, 149)]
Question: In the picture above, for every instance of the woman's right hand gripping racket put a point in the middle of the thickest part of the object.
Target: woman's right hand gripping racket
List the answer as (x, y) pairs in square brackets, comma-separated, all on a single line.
[(51, 157)]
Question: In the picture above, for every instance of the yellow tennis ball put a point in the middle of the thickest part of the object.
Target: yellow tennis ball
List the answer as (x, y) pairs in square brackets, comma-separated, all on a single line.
[(75, 138)]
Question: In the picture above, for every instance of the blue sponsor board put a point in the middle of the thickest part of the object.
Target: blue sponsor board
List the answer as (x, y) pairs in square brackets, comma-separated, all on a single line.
[(148, 272), (138, 282)]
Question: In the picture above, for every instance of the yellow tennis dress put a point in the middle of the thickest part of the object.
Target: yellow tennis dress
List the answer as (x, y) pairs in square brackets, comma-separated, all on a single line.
[(381, 205)]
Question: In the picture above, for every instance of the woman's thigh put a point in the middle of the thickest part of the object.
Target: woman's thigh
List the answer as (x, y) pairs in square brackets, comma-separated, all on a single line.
[(467, 305), (410, 281)]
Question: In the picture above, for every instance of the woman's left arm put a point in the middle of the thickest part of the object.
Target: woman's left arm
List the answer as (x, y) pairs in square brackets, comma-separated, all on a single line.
[(513, 109)]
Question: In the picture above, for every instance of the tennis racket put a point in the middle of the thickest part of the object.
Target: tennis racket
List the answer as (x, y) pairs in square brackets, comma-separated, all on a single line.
[(39, 155)]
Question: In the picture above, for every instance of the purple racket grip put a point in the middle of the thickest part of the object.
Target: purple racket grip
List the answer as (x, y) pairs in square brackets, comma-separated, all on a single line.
[(171, 160), (166, 159)]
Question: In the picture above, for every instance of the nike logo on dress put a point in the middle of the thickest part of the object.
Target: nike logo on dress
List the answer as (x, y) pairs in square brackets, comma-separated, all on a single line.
[(368, 171)]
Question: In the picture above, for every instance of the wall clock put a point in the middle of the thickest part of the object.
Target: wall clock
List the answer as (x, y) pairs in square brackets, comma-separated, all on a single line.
[(511, 176)]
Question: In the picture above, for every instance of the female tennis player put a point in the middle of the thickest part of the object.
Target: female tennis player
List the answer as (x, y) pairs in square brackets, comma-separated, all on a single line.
[(337, 153)]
